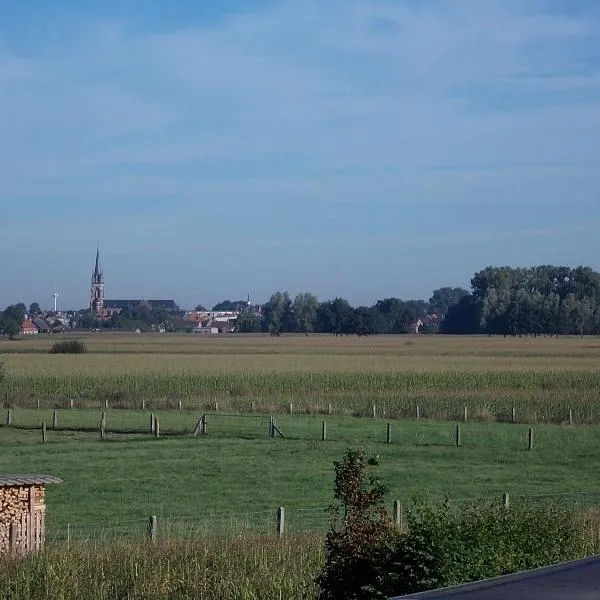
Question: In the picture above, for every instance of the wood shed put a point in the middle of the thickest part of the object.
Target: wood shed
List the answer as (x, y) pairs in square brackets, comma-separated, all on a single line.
[(23, 511)]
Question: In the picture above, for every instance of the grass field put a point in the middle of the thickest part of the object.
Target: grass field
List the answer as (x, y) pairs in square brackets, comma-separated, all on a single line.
[(541, 378), (199, 484)]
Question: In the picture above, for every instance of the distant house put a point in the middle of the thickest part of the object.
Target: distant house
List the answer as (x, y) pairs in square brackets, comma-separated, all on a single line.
[(28, 328), (42, 325), (119, 305), (223, 326), (205, 330), (414, 327)]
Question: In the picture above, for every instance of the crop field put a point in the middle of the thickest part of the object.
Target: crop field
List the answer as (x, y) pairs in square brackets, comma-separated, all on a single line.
[(540, 378)]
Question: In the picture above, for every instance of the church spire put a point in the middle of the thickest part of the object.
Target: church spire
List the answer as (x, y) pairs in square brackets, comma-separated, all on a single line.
[(97, 272)]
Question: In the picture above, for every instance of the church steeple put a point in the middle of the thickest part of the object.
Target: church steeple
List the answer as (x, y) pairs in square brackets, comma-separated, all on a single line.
[(97, 276), (97, 288)]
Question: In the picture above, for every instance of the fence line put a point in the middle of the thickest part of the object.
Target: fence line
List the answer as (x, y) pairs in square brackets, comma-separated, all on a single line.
[(107, 423), (394, 408), (276, 522)]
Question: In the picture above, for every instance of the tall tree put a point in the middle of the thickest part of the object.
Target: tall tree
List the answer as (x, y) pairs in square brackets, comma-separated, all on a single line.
[(277, 314), (247, 322), (34, 309), (305, 312), (443, 298)]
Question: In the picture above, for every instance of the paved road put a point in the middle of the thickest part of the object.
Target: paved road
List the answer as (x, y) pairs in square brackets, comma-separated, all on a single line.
[(573, 580)]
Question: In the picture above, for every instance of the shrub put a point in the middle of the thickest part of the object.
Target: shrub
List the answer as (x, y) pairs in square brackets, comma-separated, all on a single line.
[(367, 557), (68, 347), (442, 547), (361, 536)]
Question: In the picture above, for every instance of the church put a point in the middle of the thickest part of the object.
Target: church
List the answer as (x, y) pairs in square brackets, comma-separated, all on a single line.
[(104, 309)]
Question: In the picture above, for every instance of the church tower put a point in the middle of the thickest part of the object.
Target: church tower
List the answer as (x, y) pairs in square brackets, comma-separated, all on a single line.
[(97, 289)]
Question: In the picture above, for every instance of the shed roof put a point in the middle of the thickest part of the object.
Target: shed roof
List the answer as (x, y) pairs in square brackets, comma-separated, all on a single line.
[(37, 479)]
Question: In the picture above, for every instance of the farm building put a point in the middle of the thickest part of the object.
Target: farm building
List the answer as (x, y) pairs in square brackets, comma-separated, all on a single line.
[(23, 511)]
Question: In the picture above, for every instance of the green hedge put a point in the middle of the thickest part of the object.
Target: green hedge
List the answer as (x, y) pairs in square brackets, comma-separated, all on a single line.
[(443, 546)]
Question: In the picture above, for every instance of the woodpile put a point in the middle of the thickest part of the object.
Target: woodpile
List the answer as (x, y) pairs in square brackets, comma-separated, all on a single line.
[(17, 506)]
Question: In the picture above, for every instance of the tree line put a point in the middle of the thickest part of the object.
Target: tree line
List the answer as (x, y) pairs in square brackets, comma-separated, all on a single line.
[(529, 301), (544, 299)]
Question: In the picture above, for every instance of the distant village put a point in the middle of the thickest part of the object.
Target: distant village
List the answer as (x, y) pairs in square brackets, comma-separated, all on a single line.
[(303, 314), (142, 314)]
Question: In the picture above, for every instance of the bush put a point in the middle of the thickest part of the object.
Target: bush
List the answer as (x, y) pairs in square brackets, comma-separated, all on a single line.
[(442, 547), (68, 347), (361, 536), (367, 557)]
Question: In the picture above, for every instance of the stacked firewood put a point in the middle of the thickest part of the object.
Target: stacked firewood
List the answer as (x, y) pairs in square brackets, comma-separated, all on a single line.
[(14, 505), (14, 501)]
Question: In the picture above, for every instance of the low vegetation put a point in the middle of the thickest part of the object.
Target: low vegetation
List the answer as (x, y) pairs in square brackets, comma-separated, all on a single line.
[(68, 347), (367, 557), (211, 569)]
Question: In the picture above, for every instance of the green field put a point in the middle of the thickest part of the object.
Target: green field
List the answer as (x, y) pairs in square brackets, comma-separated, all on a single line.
[(198, 484)]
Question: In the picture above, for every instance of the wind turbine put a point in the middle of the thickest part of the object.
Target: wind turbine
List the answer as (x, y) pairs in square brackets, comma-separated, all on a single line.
[(55, 296)]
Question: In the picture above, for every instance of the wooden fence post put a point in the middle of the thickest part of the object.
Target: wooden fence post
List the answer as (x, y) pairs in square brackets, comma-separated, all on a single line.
[(329, 409), (203, 430), (397, 513), (291, 408), (156, 427), (324, 431), (180, 405), (12, 537), (55, 419), (570, 416), (530, 439), (458, 436), (38, 403), (280, 521), (9, 417), (252, 406), (505, 500), (70, 402), (216, 406), (417, 413), (374, 411), (106, 404), (465, 414), (152, 423), (44, 432), (514, 415), (152, 528), (143, 404), (388, 437)]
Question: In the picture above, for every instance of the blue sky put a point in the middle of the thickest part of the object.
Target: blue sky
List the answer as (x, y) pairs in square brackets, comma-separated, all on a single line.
[(358, 148)]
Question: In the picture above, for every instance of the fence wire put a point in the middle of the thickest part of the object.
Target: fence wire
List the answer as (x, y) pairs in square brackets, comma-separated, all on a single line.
[(267, 523)]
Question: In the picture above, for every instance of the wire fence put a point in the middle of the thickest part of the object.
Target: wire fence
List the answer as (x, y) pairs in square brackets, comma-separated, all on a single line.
[(265, 523), (279, 521), (109, 423)]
